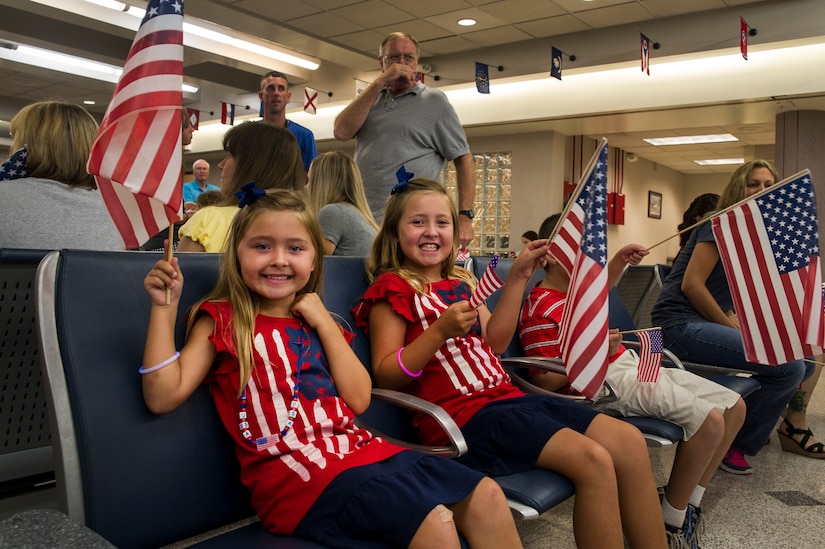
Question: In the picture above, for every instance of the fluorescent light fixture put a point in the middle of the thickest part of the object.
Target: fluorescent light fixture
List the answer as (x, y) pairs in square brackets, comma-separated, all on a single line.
[(88, 102), (78, 66), (466, 22), (52, 60), (202, 31), (691, 139), (214, 33), (111, 4), (720, 161)]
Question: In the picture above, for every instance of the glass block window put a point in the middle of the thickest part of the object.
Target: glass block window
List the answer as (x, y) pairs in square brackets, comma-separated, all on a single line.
[(493, 174)]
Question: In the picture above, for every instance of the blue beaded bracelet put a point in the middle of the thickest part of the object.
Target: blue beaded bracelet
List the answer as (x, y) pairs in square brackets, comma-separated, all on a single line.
[(163, 364)]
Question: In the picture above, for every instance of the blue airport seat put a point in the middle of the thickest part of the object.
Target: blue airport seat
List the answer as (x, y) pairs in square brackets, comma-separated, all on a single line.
[(136, 478), (26, 457), (529, 494)]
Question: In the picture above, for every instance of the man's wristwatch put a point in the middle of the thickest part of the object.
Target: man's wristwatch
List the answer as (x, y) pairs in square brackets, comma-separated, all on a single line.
[(469, 213)]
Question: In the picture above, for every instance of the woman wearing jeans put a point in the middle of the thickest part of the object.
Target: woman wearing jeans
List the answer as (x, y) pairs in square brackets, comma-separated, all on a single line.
[(695, 310)]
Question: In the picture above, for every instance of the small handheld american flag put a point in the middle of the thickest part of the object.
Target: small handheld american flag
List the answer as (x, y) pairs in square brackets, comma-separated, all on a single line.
[(489, 283), (650, 355)]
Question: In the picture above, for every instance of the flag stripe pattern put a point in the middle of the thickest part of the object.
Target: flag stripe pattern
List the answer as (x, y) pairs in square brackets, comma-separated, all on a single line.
[(136, 158), (650, 355), (489, 283), (769, 247), (584, 327)]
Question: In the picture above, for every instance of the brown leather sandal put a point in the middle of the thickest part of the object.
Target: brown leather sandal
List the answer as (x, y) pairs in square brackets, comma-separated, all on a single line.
[(789, 444)]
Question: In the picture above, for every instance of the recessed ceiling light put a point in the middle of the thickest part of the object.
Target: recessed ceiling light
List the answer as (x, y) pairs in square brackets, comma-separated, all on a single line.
[(720, 161), (691, 139), (467, 22), (88, 102)]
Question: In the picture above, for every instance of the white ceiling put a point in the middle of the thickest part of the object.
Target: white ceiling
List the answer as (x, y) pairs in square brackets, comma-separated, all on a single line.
[(516, 34)]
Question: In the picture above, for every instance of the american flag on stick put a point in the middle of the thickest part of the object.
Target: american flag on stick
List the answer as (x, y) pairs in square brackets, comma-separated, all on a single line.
[(489, 283), (136, 158), (769, 245), (650, 355), (580, 245)]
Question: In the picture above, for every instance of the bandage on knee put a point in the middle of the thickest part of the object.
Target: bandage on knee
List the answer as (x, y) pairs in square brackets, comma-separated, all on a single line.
[(446, 514)]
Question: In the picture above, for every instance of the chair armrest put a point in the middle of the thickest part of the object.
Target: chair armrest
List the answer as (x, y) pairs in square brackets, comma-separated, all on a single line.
[(457, 446), (556, 366)]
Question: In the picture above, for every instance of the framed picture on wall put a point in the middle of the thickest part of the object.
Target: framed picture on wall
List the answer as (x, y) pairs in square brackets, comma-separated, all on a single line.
[(654, 205)]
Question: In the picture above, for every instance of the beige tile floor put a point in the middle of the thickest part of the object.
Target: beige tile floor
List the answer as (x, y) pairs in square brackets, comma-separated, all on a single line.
[(781, 505)]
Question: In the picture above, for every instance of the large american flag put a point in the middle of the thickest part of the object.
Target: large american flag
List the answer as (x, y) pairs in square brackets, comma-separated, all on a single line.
[(137, 156), (769, 247), (650, 355), (584, 330)]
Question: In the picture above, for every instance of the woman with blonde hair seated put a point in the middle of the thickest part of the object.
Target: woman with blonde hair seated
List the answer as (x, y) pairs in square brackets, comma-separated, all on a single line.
[(49, 199), (336, 195)]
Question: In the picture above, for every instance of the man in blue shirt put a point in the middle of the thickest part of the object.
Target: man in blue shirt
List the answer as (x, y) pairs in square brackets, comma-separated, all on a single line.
[(275, 96), (191, 190)]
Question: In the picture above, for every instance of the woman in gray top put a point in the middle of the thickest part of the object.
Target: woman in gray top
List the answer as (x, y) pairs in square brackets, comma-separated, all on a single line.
[(48, 199), (336, 195)]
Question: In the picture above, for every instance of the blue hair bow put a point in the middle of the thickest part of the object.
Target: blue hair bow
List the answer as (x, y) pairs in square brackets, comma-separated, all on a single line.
[(248, 194), (404, 178)]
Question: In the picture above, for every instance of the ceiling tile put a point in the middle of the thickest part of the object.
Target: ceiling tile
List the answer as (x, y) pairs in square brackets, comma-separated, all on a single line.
[(373, 13), (366, 41), (498, 35), (614, 15), (667, 8), (278, 11), (518, 11), (451, 44), (418, 28), (553, 26), (576, 6), (428, 8), (325, 24), (449, 20)]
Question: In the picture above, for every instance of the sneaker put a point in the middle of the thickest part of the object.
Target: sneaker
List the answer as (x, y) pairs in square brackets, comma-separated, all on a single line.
[(676, 538), (734, 462), (694, 527)]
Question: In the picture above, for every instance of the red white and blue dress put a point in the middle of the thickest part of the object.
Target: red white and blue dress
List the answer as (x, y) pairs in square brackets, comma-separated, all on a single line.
[(287, 473), (466, 378)]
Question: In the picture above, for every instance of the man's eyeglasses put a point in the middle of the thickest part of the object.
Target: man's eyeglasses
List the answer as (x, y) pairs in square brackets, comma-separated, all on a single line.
[(407, 57)]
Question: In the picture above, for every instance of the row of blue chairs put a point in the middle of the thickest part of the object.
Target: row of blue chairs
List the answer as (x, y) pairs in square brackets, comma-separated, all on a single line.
[(119, 467)]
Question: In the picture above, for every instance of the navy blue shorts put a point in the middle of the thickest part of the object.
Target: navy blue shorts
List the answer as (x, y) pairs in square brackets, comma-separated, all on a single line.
[(383, 504), (507, 436)]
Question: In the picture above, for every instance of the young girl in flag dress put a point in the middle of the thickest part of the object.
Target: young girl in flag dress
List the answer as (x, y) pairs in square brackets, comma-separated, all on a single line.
[(287, 386), (427, 340)]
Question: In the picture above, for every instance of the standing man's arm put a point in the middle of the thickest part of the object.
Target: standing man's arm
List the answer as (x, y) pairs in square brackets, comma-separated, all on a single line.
[(466, 183), (350, 120), (397, 77)]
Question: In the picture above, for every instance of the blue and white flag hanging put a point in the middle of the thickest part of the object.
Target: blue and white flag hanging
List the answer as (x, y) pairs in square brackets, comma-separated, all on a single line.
[(482, 77), (555, 65)]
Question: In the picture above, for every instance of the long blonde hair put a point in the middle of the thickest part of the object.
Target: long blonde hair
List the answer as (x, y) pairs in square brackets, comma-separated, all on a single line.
[(736, 190), (334, 178), (230, 286), (59, 137), (386, 250)]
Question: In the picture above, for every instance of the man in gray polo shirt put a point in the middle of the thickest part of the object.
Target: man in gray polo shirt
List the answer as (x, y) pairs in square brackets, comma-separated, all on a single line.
[(399, 121)]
